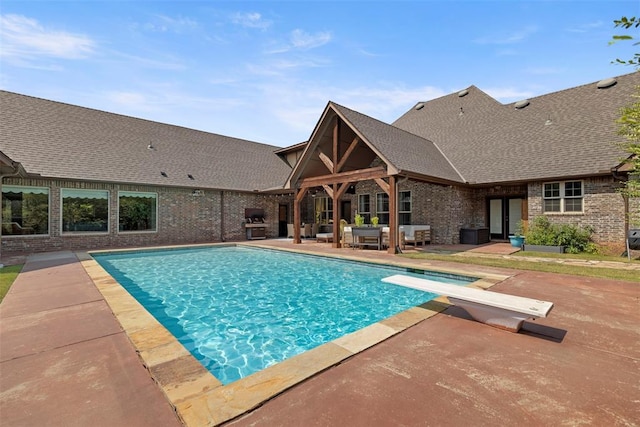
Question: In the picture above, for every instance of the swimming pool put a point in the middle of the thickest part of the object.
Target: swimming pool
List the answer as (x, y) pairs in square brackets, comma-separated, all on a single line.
[(239, 310)]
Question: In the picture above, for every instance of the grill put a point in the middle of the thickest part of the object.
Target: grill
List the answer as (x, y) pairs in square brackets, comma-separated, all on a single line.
[(254, 224)]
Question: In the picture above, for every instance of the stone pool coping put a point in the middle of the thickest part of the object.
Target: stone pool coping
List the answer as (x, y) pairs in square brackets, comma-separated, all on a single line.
[(201, 399)]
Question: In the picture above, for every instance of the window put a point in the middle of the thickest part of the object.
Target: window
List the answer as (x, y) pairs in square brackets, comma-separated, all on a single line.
[(364, 207), (404, 208), (324, 210), (562, 196), (137, 211), (85, 211), (382, 208), (25, 210)]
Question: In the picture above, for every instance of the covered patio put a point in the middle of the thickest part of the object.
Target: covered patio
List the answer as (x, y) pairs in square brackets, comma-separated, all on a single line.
[(347, 148)]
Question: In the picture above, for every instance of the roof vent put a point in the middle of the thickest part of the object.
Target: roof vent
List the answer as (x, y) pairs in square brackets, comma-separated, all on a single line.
[(464, 92), (163, 174), (420, 106), (603, 84), (190, 176), (521, 104)]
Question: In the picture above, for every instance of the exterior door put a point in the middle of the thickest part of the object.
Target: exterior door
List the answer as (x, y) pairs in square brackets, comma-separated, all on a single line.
[(504, 215)]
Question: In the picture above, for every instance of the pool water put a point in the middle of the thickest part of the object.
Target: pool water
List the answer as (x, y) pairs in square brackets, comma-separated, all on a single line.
[(239, 310)]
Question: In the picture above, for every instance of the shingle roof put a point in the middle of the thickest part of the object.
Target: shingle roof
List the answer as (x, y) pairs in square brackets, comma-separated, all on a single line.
[(64, 141), (403, 150), (561, 134)]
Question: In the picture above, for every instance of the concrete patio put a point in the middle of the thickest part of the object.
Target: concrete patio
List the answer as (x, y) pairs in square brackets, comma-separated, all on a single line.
[(65, 360)]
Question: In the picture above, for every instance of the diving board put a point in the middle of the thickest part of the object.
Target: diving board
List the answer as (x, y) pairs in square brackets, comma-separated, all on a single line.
[(500, 310)]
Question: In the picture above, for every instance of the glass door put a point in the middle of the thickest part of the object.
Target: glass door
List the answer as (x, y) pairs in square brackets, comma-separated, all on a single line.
[(504, 215)]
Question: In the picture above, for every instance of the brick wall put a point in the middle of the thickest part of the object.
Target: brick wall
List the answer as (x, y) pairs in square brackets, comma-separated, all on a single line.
[(603, 209), (215, 216), (183, 218)]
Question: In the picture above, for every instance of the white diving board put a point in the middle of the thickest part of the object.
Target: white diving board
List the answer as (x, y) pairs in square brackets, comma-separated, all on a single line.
[(500, 310)]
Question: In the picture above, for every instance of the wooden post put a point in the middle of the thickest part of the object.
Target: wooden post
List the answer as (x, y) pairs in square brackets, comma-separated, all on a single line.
[(336, 216), (393, 214)]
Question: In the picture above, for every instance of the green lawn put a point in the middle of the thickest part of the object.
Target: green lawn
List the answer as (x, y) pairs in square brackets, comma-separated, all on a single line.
[(549, 267), (7, 276)]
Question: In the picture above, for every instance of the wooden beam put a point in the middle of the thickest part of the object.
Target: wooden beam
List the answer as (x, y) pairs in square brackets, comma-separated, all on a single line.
[(347, 153), (341, 190), (383, 184), (336, 144), (329, 190), (341, 177), (326, 160), (299, 194)]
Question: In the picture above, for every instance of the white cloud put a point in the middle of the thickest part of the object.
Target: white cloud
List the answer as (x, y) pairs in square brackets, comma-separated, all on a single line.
[(305, 41), (300, 40), (251, 20), (163, 24), (511, 38), (298, 106), (584, 28), (24, 39)]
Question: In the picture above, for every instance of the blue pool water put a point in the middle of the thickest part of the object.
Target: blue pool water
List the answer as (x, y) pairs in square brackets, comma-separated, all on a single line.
[(239, 310)]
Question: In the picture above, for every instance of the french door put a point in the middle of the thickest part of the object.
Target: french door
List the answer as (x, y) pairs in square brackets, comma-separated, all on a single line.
[(504, 215)]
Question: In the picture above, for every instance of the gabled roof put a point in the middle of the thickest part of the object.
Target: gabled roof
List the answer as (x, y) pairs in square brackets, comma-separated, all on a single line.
[(401, 151), (570, 133), (59, 140)]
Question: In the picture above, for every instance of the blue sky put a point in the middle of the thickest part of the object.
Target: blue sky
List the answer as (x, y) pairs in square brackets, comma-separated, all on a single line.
[(265, 70)]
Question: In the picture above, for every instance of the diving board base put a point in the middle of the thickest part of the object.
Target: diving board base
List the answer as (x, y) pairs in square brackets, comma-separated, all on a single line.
[(497, 317)]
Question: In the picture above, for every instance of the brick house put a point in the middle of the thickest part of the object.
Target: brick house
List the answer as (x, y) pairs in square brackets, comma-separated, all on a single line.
[(77, 178)]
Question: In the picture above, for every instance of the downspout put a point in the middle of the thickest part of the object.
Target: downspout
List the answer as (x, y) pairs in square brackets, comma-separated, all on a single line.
[(16, 167)]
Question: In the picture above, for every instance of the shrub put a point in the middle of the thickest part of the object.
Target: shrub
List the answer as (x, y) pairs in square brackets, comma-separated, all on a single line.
[(575, 239)]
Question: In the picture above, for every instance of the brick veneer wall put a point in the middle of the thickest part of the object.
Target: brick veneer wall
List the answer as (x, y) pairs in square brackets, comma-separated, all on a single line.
[(603, 209), (445, 208), (183, 218)]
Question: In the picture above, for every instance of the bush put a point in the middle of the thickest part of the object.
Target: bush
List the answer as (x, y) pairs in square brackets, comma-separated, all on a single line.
[(574, 239)]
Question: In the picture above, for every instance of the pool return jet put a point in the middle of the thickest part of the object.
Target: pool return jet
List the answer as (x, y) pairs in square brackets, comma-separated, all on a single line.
[(500, 310)]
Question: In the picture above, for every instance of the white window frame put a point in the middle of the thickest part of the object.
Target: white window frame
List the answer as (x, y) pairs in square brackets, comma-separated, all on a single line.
[(563, 197), (135, 193)]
